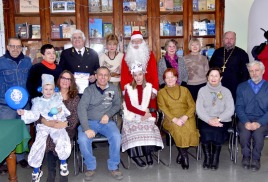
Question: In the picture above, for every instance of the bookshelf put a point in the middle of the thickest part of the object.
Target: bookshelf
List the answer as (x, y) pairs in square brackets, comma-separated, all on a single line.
[(147, 18)]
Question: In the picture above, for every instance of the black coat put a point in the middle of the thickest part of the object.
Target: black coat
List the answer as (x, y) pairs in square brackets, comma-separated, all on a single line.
[(71, 61)]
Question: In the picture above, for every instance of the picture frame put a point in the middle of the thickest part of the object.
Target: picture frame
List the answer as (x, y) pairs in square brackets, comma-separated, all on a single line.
[(62, 6), (29, 6)]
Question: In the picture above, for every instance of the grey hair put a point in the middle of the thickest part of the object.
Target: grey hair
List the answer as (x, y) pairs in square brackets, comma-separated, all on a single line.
[(80, 32), (252, 63)]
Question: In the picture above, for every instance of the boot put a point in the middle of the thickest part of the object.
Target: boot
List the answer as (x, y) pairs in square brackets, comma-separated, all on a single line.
[(184, 158), (51, 164), (178, 160), (207, 155), (216, 150)]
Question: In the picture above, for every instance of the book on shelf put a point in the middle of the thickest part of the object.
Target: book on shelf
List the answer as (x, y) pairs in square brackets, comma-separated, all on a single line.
[(178, 5), (67, 30), (166, 29), (129, 5), (162, 5), (55, 32), (141, 5), (169, 5), (179, 30), (29, 6), (107, 29), (211, 5), (18, 29), (202, 28), (135, 27), (196, 28), (107, 5), (94, 5), (202, 5), (95, 27), (36, 32), (195, 5), (211, 28), (24, 31), (143, 30), (127, 30), (161, 28), (172, 29)]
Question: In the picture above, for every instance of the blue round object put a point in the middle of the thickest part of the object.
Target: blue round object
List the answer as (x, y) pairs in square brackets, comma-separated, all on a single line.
[(16, 97)]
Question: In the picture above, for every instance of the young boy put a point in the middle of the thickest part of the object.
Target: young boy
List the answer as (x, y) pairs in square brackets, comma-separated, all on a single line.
[(51, 107)]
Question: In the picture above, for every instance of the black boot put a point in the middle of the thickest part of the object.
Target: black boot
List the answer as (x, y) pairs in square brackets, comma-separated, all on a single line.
[(178, 160), (139, 162), (207, 155), (184, 158), (216, 150), (51, 164)]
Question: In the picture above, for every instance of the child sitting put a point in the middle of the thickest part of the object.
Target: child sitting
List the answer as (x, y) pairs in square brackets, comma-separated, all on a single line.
[(51, 107)]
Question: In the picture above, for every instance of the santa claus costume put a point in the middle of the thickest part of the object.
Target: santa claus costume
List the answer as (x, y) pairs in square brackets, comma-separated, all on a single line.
[(143, 55)]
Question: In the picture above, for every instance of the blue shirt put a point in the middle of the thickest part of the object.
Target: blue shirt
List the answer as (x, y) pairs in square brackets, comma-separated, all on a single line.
[(255, 87)]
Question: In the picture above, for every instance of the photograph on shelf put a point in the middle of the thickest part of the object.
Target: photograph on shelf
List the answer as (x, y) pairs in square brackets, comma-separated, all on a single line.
[(129, 5), (36, 32), (94, 5), (29, 6), (141, 5), (178, 5), (107, 29), (107, 6), (62, 6)]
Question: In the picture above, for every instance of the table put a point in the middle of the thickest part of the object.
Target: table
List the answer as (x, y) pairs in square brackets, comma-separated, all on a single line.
[(14, 137)]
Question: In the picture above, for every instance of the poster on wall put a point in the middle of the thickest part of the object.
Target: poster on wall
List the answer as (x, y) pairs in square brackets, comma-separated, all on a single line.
[(29, 6), (2, 31)]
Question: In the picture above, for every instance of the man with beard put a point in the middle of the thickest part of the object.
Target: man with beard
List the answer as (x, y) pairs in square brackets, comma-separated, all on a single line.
[(138, 52), (232, 61)]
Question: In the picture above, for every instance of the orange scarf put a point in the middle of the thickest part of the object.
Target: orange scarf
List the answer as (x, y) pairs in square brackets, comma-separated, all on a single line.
[(51, 66)]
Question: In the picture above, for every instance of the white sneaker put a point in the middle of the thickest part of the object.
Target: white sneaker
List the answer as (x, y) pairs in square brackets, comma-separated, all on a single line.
[(36, 176), (64, 169)]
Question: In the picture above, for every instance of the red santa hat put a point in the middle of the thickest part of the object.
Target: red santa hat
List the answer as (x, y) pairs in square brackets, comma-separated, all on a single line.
[(136, 35)]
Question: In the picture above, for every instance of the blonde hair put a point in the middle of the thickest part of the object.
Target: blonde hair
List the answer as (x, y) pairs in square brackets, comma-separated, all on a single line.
[(194, 40)]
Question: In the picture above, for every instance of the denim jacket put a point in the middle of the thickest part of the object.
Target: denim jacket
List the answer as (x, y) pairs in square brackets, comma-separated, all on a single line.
[(13, 74)]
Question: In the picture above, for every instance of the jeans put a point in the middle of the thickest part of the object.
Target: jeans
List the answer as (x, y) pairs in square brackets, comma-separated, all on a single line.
[(258, 141), (110, 131), (7, 113)]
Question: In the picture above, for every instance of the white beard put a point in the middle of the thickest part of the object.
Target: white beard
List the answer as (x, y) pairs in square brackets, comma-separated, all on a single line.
[(142, 55)]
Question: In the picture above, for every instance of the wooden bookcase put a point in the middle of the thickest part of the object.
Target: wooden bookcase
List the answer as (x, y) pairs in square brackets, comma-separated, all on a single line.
[(118, 18)]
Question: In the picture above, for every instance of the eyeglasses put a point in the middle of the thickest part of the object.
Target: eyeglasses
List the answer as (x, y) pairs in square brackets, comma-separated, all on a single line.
[(66, 79), (15, 46)]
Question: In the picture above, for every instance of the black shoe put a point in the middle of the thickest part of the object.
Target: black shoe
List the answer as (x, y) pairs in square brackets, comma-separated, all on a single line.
[(139, 162), (23, 163), (255, 165), (207, 155), (178, 159), (246, 162), (149, 159)]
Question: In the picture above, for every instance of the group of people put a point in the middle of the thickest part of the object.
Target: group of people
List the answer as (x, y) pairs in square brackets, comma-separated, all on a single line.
[(198, 99)]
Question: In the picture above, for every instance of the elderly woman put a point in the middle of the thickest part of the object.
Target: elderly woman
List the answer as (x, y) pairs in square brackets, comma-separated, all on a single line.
[(69, 92), (197, 66), (140, 135), (214, 107), (171, 60), (178, 106)]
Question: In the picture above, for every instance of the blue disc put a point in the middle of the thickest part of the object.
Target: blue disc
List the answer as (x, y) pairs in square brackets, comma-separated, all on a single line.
[(16, 97)]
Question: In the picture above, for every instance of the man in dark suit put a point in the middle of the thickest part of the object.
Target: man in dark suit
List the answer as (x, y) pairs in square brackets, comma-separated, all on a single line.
[(80, 58)]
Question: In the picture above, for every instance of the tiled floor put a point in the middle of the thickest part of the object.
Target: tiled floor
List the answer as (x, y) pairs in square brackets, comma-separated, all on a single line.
[(227, 172)]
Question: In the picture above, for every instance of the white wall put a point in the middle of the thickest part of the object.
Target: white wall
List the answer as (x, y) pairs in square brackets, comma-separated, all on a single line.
[(2, 30), (236, 19)]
